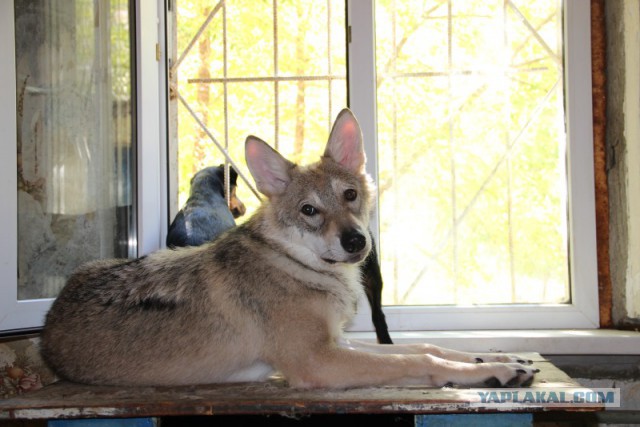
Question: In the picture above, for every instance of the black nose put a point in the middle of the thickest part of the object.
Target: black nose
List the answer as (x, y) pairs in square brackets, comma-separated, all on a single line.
[(353, 241)]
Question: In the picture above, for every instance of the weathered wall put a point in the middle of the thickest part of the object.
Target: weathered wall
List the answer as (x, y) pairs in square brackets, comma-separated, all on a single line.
[(623, 150)]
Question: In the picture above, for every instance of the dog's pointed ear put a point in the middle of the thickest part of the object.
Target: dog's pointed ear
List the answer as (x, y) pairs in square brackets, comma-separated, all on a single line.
[(269, 169), (345, 142)]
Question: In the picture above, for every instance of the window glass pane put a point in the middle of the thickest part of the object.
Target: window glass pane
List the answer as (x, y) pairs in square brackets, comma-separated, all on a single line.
[(276, 70), (471, 152), (75, 145)]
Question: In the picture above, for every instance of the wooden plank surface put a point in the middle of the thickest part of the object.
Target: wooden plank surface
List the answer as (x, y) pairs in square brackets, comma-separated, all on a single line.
[(69, 400)]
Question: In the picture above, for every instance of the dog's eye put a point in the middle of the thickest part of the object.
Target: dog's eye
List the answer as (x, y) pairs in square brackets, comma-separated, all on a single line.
[(350, 195), (308, 210)]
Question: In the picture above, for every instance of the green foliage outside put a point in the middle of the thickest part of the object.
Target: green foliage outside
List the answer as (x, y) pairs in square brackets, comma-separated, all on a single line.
[(470, 130), (299, 123)]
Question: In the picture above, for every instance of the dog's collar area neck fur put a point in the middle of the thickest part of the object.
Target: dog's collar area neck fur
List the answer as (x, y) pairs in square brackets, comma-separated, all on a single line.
[(355, 259)]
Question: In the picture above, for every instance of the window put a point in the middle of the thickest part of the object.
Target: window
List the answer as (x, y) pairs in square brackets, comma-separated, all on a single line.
[(72, 187), (472, 178), (463, 109), (513, 29), (75, 140), (278, 74)]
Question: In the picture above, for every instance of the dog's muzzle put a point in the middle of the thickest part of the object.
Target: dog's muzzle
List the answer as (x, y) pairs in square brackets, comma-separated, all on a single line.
[(353, 241)]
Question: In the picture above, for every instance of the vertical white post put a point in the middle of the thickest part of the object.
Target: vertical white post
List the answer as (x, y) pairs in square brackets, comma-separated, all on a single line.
[(151, 117), (362, 101), (582, 224), (362, 81)]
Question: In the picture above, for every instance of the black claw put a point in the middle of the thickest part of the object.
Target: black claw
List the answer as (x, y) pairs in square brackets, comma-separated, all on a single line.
[(479, 360), (515, 381), (493, 382), (527, 383)]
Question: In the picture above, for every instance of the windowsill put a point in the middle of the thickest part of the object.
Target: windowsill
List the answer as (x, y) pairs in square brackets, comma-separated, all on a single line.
[(545, 342), (274, 397)]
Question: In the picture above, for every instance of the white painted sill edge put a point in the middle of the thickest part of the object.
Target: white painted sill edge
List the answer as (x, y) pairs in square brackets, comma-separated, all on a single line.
[(552, 342)]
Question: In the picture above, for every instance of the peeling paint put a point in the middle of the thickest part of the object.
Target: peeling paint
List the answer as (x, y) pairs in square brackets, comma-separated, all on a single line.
[(632, 136)]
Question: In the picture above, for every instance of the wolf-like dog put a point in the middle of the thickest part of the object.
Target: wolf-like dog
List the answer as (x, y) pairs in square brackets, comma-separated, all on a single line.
[(272, 294)]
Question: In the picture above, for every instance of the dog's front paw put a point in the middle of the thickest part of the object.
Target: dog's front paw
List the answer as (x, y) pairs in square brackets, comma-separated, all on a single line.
[(511, 375)]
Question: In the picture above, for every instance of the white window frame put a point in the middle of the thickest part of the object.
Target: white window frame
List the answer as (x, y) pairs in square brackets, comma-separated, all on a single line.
[(152, 200), (17, 315), (583, 311)]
